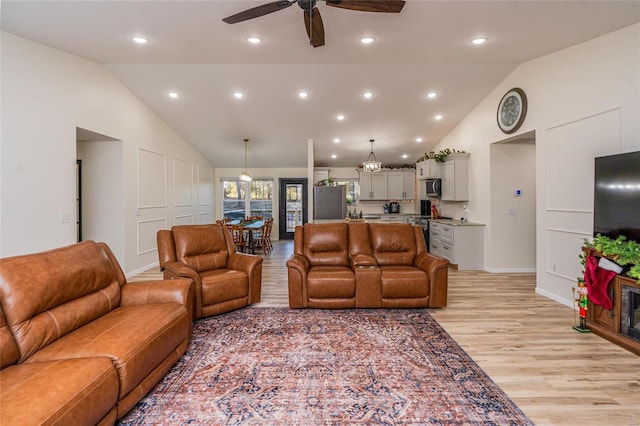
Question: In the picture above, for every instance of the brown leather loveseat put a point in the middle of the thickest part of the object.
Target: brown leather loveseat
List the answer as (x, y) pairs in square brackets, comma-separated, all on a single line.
[(78, 344), (364, 265), (223, 279)]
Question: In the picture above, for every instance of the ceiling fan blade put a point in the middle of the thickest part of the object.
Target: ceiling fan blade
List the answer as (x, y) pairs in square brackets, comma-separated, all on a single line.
[(385, 6), (315, 28), (258, 11)]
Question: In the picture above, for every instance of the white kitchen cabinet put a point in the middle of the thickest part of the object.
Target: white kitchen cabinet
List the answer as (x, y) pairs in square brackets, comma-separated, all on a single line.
[(401, 185), (461, 243), (455, 177), (373, 186), (320, 173), (428, 169)]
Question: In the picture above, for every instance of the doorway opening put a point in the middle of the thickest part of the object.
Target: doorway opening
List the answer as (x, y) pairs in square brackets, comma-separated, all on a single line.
[(512, 236), (100, 189), (292, 209)]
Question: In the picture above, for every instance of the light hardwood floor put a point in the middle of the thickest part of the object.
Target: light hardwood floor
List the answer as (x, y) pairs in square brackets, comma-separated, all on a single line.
[(525, 343)]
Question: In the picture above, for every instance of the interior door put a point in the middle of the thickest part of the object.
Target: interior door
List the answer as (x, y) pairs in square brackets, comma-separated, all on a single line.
[(292, 210)]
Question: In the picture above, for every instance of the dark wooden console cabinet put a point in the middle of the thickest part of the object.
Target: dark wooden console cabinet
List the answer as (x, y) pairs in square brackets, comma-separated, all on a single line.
[(606, 323)]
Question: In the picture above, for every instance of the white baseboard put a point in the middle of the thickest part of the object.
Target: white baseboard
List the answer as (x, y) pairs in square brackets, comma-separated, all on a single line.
[(511, 270), (141, 270), (548, 295)]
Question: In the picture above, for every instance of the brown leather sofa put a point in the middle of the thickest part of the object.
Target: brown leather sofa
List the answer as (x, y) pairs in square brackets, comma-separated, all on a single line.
[(224, 279), (79, 345), (364, 265)]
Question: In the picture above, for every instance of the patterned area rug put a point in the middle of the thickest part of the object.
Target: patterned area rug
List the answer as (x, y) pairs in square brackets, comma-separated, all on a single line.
[(276, 366)]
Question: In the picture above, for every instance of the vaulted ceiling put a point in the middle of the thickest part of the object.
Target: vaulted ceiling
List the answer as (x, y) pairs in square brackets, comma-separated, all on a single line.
[(425, 48)]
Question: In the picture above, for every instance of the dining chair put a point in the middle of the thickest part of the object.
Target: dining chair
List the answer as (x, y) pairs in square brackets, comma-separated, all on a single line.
[(269, 223), (237, 234)]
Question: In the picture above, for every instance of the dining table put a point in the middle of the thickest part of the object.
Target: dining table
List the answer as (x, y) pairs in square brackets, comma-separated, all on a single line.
[(249, 226)]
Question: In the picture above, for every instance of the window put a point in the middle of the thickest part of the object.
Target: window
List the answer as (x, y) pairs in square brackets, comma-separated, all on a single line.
[(236, 199), (261, 201), (353, 189)]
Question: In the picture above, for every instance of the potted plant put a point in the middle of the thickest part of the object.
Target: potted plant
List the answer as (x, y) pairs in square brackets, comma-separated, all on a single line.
[(442, 155)]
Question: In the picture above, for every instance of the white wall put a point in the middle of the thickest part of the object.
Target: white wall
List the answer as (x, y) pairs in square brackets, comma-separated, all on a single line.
[(584, 101), (46, 95)]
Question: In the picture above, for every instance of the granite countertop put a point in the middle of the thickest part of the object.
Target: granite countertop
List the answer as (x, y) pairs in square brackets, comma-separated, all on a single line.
[(455, 222)]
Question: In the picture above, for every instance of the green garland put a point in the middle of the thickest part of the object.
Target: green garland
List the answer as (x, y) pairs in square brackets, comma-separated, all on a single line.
[(621, 250)]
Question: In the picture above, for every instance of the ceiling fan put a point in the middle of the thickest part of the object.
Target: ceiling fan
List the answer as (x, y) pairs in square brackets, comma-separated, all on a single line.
[(312, 18)]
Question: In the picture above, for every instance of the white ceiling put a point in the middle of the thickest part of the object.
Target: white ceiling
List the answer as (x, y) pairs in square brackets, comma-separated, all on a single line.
[(426, 47)]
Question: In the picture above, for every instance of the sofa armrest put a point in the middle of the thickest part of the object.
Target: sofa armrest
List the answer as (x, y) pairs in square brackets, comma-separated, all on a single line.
[(437, 269), (252, 266), (297, 269), (362, 260), (244, 262), (179, 270), (159, 291), (298, 262)]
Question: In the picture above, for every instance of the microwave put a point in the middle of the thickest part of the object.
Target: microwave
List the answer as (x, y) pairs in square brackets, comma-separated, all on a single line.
[(433, 187)]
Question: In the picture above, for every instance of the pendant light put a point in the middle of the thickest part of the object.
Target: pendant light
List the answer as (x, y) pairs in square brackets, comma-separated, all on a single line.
[(245, 176), (371, 164)]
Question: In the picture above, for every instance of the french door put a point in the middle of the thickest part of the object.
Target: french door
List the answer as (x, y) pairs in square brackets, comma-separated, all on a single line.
[(292, 207)]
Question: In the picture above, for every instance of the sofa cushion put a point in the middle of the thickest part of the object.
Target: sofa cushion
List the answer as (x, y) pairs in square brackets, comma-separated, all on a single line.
[(326, 244), (393, 243), (136, 339), (403, 282), (221, 285), (77, 391), (201, 247), (331, 282), (47, 295)]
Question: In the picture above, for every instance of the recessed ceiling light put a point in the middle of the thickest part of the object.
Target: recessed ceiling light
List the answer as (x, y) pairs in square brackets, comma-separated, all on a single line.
[(336, 140), (479, 40), (254, 40), (140, 40), (334, 156), (367, 95), (174, 95), (303, 94), (437, 117), (340, 117), (367, 40), (405, 155), (238, 95), (432, 95), (418, 140)]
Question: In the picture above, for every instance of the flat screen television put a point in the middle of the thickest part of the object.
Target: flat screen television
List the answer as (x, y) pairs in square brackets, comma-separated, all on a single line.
[(616, 209)]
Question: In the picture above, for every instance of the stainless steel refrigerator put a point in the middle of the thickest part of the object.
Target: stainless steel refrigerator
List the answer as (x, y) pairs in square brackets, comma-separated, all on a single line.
[(329, 202)]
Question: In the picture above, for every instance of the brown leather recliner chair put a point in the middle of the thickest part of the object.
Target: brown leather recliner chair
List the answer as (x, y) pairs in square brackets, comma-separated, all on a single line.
[(224, 279)]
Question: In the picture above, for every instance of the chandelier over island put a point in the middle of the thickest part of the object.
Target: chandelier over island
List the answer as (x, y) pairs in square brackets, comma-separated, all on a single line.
[(371, 164)]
